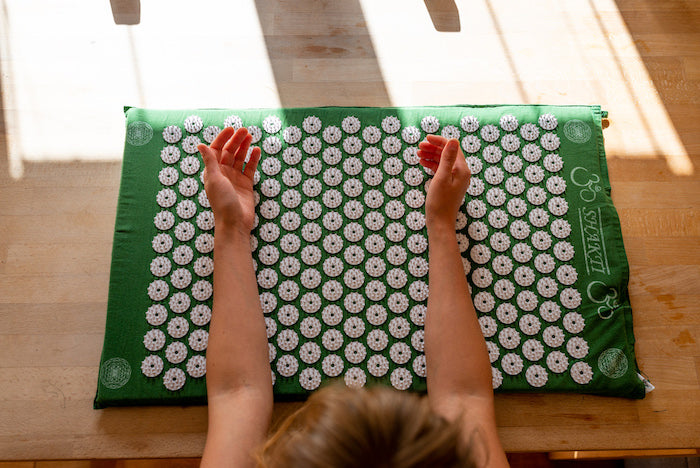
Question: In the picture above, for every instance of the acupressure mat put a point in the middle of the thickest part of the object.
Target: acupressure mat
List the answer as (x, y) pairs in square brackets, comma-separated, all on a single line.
[(340, 249)]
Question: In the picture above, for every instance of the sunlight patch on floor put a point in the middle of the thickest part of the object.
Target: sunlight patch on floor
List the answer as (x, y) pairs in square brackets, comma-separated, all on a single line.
[(68, 72), (548, 52)]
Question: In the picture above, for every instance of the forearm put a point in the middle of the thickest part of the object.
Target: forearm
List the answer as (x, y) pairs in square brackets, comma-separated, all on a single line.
[(237, 355), (456, 356)]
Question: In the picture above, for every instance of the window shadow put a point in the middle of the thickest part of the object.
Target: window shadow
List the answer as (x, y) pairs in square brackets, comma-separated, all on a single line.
[(327, 43), (444, 15), (126, 11), (507, 51), (665, 39)]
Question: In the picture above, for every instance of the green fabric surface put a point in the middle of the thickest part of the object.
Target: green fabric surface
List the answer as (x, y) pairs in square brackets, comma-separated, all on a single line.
[(599, 257)]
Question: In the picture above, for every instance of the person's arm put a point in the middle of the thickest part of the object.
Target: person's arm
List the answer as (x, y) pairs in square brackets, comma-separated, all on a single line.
[(458, 368), (239, 384)]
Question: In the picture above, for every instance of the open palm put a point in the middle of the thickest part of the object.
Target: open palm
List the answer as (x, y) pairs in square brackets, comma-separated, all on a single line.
[(229, 185)]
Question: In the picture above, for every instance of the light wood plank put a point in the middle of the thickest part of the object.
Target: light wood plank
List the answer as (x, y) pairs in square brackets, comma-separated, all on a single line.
[(322, 70), (56, 259), (666, 310), (73, 464), (587, 436), (678, 410), (666, 371), (621, 454), (662, 44), (61, 288), (663, 250), (685, 195), (53, 318), (320, 47), (334, 93), (659, 222), (20, 200), (535, 439), (691, 67), (654, 280), (71, 228), (622, 168), (55, 384), (51, 350), (172, 463), (50, 446), (669, 342), (85, 421)]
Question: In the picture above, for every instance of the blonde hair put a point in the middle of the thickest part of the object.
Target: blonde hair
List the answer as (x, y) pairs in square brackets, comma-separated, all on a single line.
[(375, 427)]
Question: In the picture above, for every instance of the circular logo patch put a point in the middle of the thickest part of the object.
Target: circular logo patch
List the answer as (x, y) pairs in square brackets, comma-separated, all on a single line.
[(613, 363), (139, 133), (577, 131), (115, 373)]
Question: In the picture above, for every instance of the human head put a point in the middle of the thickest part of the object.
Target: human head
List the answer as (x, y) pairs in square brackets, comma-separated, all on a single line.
[(375, 427)]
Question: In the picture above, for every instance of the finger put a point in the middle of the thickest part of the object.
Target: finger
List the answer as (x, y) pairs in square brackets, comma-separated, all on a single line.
[(241, 153), (437, 140), (429, 161), (429, 164), (233, 143), (461, 165), (222, 138), (429, 147), (209, 156), (427, 155), (252, 163), (447, 159), (430, 156), (228, 152)]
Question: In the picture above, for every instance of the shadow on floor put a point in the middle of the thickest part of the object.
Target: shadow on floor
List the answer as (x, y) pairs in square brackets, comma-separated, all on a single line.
[(300, 34), (126, 11), (666, 42)]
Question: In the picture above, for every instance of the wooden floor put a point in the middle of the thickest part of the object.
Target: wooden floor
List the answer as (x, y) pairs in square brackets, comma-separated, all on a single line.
[(67, 71)]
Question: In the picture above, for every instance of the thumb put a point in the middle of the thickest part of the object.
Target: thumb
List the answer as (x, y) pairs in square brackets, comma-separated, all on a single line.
[(448, 158), (210, 162)]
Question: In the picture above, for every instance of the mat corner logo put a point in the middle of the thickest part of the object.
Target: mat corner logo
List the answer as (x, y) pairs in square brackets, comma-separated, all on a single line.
[(139, 133), (613, 363), (115, 373), (577, 131)]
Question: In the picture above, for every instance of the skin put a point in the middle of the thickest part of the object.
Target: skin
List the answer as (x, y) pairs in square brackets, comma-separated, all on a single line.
[(458, 368), (240, 390)]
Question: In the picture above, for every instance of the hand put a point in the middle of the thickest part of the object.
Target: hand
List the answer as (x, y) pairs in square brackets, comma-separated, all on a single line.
[(451, 180), (228, 185)]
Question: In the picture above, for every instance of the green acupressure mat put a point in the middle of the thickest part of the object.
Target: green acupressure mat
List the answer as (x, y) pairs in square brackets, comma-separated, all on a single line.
[(340, 249)]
